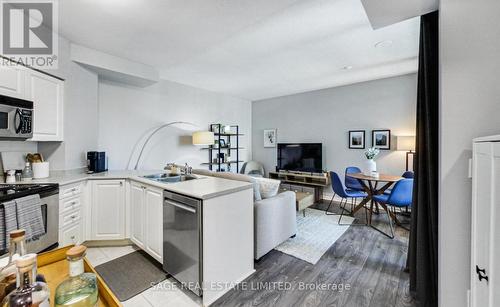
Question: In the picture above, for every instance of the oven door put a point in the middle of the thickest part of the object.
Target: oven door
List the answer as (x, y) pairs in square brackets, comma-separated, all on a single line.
[(8, 117), (50, 214)]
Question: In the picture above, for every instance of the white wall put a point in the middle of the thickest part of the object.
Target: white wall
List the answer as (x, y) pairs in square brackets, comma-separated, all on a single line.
[(470, 106), (126, 113), (326, 116), (80, 114)]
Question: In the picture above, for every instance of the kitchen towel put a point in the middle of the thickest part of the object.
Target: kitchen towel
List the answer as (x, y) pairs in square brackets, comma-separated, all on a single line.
[(8, 222), (29, 217)]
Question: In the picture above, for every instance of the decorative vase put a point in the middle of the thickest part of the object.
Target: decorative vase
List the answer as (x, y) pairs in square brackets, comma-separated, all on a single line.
[(370, 167)]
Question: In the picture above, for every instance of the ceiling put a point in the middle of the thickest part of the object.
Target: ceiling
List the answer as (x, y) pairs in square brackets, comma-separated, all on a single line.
[(253, 49)]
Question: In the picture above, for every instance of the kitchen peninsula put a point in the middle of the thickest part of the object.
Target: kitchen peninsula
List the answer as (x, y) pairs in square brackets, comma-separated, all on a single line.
[(128, 207)]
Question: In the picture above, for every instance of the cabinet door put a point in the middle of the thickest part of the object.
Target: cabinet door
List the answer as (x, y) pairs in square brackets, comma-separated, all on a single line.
[(137, 215), (481, 211), (13, 81), (108, 210), (154, 222), (47, 94)]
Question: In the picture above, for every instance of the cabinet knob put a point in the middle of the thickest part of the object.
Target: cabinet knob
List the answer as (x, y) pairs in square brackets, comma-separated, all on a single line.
[(72, 237), (481, 274)]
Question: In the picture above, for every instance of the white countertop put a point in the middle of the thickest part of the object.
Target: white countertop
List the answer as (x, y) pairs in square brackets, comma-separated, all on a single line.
[(203, 188)]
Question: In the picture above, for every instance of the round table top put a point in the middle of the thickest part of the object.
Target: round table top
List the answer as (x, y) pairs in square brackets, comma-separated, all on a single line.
[(380, 178)]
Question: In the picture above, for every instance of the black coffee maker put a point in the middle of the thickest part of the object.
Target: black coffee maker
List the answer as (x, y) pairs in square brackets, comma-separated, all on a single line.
[(97, 162)]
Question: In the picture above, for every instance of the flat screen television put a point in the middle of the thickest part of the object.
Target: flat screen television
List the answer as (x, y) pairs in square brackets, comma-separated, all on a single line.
[(300, 157)]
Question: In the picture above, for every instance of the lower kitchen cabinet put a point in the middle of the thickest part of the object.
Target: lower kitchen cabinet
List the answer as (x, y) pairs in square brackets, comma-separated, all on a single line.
[(146, 218), (154, 223), (107, 210), (70, 235)]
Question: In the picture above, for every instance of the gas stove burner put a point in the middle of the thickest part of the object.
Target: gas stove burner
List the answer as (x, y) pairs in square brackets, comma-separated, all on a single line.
[(11, 191)]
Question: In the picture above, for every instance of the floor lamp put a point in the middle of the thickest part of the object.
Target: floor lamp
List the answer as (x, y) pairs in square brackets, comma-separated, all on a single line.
[(199, 137), (406, 143)]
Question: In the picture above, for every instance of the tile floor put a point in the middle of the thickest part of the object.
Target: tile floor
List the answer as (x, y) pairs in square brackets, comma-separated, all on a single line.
[(165, 294)]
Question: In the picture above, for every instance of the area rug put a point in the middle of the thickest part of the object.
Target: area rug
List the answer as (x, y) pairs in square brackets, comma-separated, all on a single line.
[(316, 232), (131, 274)]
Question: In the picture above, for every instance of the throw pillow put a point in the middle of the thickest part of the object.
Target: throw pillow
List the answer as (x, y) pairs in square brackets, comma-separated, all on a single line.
[(268, 187)]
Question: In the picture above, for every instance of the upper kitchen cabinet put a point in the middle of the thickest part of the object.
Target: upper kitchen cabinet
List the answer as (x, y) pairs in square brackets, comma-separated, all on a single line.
[(13, 81), (47, 94)]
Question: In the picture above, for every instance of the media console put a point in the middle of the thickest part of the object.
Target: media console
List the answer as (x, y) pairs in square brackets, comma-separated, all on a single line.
[(303, 182)]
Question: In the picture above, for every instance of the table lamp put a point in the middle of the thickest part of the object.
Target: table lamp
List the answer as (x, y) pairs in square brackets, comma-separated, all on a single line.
[(406, 143)]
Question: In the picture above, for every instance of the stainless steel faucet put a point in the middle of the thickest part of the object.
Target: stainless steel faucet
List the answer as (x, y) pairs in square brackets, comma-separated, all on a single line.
[(185, 170)]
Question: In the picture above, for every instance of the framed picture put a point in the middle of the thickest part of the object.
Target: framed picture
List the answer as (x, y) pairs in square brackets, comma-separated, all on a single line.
[(222, 143), (357, 139), (381, 139), (270, 138)]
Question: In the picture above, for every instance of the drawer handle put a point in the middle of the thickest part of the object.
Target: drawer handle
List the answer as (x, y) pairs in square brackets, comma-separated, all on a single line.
[(73, 203), (73, 216), (481, 274), (73, 190)]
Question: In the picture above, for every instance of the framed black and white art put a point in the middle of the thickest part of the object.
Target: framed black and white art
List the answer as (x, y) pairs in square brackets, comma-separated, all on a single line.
[(270, 138), (381, 139), (357, 139)]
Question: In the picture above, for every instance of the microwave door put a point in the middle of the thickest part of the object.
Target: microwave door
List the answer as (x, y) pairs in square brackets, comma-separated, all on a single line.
[(7, 121)]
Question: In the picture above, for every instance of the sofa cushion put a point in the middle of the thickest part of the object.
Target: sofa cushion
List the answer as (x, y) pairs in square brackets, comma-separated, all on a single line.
[(268, 187), (239, 177)]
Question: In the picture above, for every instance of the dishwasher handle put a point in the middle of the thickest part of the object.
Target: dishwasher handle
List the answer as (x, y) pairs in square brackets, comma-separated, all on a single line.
[(180, 206)]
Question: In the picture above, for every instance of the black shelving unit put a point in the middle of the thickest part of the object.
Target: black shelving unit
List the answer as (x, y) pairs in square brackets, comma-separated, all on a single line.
[(231, 139)]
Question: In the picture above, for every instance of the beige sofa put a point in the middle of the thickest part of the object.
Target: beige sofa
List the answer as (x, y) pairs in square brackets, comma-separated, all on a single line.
[(275, 218)]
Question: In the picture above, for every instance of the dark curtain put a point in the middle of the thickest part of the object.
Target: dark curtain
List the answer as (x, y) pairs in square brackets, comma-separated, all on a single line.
[(423, 249)]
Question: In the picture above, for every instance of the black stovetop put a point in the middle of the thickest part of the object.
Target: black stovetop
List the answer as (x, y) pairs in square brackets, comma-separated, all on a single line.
[(13, 191)]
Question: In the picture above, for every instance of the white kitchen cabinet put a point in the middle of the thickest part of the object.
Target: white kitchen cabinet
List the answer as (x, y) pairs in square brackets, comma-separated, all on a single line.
[(137, 212), (71, 214), (485, 248), (154, 222), (47, 94), (146, 218), (107, 210), (70, 235), (13, 81)]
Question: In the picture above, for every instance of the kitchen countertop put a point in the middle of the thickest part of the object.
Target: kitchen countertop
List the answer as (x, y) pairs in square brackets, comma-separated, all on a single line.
[(203, 188)]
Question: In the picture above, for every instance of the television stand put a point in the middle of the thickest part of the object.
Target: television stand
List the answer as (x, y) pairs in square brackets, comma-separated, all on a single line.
[(303, 182)]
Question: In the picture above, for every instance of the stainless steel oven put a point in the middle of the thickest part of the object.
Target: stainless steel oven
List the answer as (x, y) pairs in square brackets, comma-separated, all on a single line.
[(16, 118), (49, 201)]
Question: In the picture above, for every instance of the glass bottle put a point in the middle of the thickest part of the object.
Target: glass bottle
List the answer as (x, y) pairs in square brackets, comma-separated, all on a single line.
[(80, 289), (27, 174), (29, 292), (17, 247)]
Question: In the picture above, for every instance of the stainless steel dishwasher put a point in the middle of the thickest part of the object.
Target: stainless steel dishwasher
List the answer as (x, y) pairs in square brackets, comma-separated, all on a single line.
[(182, 240)]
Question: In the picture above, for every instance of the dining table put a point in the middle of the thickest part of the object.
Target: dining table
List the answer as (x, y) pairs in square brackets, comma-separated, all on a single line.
[(370, 185)]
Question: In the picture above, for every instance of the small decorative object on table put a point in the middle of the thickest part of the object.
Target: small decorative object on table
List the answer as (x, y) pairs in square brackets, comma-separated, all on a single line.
[(370, 165), (80, 289), (29, 291), (222, 143)]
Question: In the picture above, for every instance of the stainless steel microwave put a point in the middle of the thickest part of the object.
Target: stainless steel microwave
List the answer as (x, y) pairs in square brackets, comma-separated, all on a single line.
[(16, 118)]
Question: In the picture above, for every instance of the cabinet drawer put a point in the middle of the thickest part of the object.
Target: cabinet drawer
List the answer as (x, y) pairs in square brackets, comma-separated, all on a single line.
[(308, 190), (69, 218), (69, 204), (70, 235), (70, 190), (295, 188)]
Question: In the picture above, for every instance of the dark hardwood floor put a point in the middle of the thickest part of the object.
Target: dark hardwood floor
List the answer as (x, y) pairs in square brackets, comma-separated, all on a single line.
[(368, 262)]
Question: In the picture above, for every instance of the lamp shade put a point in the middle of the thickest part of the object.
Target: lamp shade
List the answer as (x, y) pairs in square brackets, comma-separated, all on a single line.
[(406, 143), (203, 138)]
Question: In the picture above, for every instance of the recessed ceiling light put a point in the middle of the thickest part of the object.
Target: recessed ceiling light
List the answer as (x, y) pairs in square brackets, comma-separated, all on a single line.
[(349, 67), (383, 44)]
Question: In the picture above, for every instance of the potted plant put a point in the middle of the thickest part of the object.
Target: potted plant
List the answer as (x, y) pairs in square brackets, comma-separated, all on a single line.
[(370, 164)]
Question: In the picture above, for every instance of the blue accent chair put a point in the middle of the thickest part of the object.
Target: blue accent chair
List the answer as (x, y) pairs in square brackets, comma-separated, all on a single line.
[(338, 188), (353, 184), (401, 196)]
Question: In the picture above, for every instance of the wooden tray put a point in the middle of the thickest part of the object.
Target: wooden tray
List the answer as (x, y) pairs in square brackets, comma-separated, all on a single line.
[(54, 267)]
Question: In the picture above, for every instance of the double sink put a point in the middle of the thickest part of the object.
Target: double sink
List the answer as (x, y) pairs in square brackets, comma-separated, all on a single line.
[(170, 178)]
